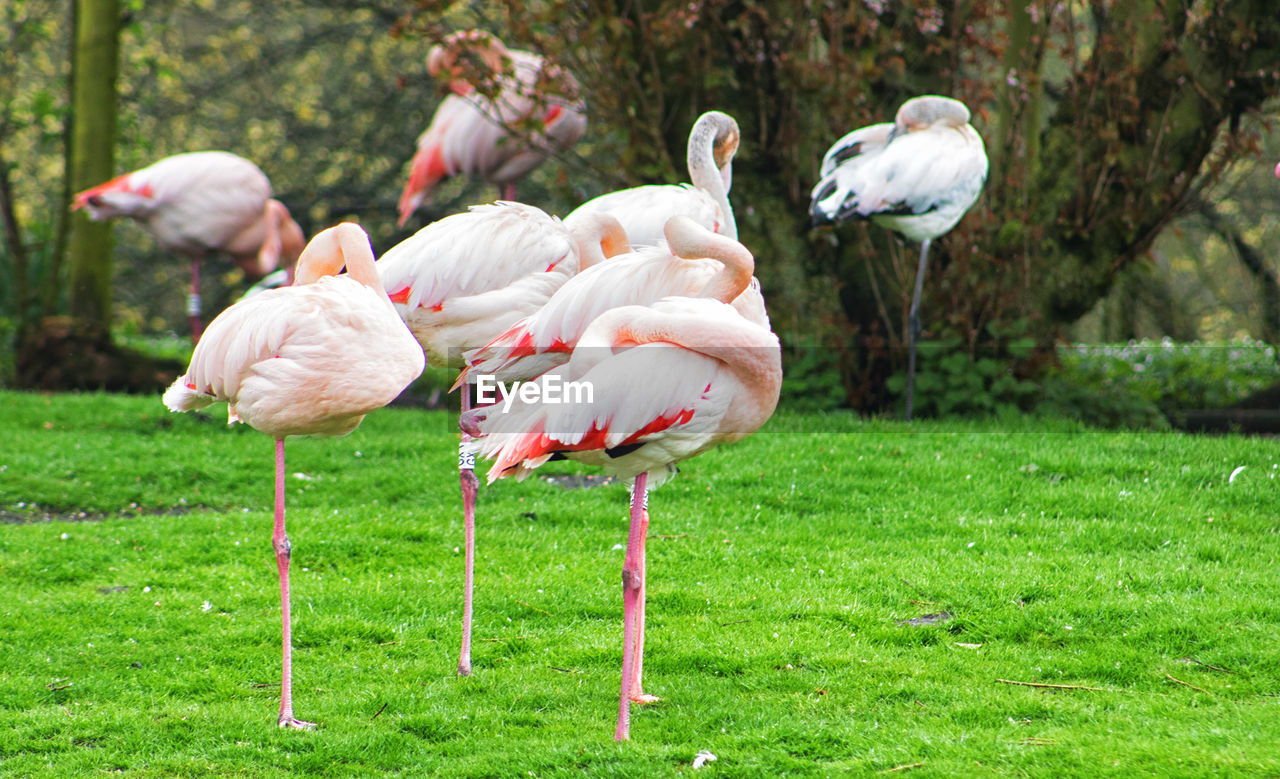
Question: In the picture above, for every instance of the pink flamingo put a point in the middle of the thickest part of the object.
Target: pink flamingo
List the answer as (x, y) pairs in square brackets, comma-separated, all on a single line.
[(309, 359), (461, 281), (916, 176), (545, 338), (203, 203), (669, 381), (643, 211), (472, 134)]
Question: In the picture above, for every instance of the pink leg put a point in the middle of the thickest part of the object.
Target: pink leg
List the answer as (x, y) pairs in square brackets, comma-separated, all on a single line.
[(509, 191), (193, 303), (632, 587), (638, 694), (280, 542), (469, 483)]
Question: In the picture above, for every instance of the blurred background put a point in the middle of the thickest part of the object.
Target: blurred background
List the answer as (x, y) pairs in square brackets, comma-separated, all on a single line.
[(1119, 267)]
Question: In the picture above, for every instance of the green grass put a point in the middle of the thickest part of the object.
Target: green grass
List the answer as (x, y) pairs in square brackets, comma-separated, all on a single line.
[(783, 572)]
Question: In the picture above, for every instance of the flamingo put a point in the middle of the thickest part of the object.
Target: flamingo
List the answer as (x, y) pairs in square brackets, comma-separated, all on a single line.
[(545, 338), (643, 211), (203, 203), (461, 281), (669, 381), (916, 176), (309, 359), (471, 133)]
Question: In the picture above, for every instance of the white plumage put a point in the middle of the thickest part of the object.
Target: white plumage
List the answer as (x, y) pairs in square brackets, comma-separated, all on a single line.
[(712, 266), (644, 211), (917, 176), (677, 377), (461, 281)]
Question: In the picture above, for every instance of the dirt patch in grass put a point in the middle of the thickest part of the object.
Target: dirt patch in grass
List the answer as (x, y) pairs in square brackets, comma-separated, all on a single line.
[(31, 515)]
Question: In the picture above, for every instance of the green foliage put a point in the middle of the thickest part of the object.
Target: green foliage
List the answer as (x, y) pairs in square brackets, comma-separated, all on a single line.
[(811, 381), (1142, 383), (784, 576), (949, 382)]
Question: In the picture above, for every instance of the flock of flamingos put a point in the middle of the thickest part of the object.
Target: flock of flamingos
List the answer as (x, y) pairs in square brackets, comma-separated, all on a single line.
[(645, 295)]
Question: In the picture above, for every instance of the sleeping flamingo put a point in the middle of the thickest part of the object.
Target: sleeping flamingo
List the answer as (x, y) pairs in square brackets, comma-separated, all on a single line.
[(916, 176), (644, 211), (473, 134), (545, 338), (199, 204), (309, 359), (669, 381), (461, 281)]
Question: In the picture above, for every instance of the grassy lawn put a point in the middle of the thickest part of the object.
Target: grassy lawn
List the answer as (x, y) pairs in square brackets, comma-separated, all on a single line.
[(829, 596)]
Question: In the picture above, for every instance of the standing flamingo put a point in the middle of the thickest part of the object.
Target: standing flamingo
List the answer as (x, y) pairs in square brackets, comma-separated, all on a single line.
[(461, 281), (203, 203), (669, 381), (916, 176), (643, 211), (310, 359), (472, 134)]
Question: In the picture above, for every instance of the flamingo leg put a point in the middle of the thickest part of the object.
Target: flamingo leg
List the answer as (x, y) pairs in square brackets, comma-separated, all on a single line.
[(469, 485), (509, 191), (913, 327), (193, 303), (280, 542), (632, 587), (638, 695)]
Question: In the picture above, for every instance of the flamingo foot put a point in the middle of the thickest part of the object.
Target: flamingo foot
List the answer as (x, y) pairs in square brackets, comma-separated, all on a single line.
[(294, 723), (644, 698)]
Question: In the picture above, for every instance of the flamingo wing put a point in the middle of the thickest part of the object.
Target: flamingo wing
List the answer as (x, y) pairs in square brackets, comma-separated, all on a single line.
[(643, 211), (545, 338), (310, 359), (855, 144), (456, 256), (691, 399), (936, 171)]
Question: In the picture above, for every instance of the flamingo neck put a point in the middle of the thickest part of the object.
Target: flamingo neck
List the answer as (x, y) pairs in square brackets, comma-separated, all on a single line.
[(332, 249), (706, 175), (599, 236), (689, 240)]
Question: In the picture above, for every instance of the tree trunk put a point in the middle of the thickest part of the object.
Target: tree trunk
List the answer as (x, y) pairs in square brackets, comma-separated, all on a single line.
[(76, 352), (94, 61)]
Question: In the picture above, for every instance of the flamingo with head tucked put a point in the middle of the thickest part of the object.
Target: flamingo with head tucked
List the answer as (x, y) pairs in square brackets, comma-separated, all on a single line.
[(309, 359), (199, 204), (473, 134), (545, 338), (461, 281), (669, 381), (916, 176), (644, 211)]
